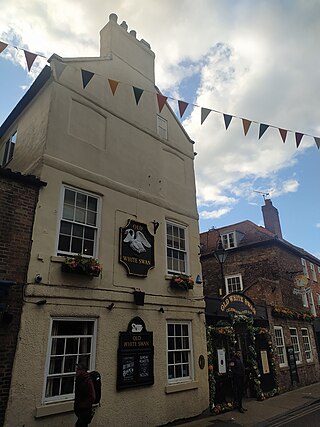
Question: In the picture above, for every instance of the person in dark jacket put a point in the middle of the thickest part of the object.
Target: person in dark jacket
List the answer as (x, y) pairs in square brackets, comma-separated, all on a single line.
[(84, 396), (238, 376)]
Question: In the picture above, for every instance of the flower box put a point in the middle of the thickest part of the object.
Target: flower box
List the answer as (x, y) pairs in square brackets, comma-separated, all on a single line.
[(181, 281), (81, 265)]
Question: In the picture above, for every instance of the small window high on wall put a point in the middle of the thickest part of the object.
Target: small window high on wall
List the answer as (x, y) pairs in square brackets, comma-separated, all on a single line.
[(162, 127), (8, 149)]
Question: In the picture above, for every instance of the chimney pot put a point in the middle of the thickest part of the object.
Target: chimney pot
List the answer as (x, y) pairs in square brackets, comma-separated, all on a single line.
[(124, 25), (113, 17)]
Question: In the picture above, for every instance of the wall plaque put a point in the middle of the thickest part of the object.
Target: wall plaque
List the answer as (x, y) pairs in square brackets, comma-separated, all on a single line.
[(135, 356), (136, 248)]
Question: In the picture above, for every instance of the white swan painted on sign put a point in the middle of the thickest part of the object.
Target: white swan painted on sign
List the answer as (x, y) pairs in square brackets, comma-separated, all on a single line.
[(138, 243)]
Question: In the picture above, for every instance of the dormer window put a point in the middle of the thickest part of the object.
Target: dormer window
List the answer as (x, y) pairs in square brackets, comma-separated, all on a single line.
[(229, 240), (8, 149)]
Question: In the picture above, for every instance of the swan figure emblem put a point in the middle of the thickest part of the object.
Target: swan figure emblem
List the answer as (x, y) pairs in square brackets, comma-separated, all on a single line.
[(138, 242)]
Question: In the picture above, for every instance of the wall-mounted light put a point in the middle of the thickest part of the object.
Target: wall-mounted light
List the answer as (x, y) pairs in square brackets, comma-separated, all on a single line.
[(161, 310), (198, 280), (155, 226), (41, 302), (110, 306)]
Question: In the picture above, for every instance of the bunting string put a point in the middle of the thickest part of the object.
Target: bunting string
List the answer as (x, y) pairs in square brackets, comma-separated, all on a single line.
[(87, 76)]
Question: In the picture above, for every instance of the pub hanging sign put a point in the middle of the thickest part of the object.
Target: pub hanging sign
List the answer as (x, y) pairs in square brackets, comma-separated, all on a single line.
[(136, 248), (135, 356)]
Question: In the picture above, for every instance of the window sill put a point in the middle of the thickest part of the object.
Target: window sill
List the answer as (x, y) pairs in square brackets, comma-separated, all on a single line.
[(57, 259), (174, 388), (54, 408)]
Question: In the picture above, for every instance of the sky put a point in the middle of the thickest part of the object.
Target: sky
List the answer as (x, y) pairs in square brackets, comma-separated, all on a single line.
[(251, 59)]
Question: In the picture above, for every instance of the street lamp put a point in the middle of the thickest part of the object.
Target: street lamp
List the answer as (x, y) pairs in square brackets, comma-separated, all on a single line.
[(220, 255)]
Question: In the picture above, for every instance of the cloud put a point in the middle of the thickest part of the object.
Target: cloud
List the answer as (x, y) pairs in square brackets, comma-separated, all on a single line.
[(214, 214)]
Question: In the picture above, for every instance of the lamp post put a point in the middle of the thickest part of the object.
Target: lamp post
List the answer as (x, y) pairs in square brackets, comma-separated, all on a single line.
[(220, 255)]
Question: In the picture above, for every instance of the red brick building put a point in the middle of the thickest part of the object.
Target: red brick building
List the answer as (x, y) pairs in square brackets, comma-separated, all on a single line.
[(18, 198), (282, 280)]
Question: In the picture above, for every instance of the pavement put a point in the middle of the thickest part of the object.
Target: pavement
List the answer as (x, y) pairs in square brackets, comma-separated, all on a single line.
[(260, 414)]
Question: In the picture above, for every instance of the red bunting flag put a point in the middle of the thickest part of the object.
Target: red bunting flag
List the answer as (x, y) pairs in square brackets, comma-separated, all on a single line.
[(161, 101), (227, 120), (182, 107), (262, 129), (3, 46), (113, 85), (298, 138), (246, 125), (283, 133), (204, 114), (317, 141), (30, 58)]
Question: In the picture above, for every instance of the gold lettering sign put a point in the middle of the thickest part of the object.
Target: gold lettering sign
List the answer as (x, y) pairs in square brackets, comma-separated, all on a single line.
[(237, 304)]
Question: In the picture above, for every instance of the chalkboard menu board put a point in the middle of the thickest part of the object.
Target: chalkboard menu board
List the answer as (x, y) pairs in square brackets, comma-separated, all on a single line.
[(292, 365), (135, 356)]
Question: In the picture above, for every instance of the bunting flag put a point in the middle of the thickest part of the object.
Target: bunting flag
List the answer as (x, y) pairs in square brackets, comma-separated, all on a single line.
[(86, 77), (3, 46), (283, 133), (137, 93), (262, 129), (30, 58), (204, 114), (113, 85), (182, 107), (161, 101), (246, 125), (298, 138), (227, 120)]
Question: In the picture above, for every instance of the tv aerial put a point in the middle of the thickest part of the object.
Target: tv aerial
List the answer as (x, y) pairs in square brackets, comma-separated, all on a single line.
[(263, 193)]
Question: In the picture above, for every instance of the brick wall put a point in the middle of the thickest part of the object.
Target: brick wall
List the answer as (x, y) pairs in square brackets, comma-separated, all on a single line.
[(18, 201)]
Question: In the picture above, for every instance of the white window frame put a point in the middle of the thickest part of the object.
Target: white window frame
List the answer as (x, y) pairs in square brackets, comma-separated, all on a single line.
[(92, 357), (304, 267), (229, 240), (311, 303), (229, 278), (296, 345), (96, 227), (180, 352), (307, 344), (177, 250), (8, 149), (162, 127), (313, 272), (281, 348)]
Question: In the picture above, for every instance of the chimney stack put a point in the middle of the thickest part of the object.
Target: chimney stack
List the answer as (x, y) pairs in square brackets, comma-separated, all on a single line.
[(115, 40), (271, 218)]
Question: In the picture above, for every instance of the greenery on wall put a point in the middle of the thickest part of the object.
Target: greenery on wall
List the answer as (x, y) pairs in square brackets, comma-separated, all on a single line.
[(226, 331)]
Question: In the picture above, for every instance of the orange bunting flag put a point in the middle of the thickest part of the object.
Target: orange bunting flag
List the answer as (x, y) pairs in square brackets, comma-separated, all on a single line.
[(161, 101), (204, 113), (113, 85), (246, 125), (298, 138), (283, 133), (182, 107), (30, 58), (3, 46), (317, 141)]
